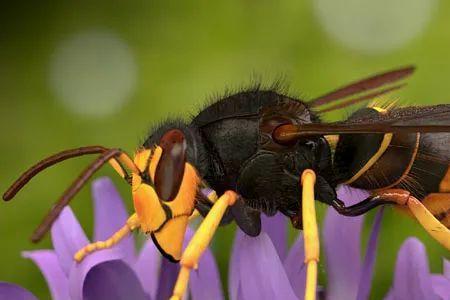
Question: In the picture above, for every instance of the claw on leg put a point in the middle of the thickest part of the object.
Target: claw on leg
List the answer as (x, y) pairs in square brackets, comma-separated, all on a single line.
[(132, 223), (310, 233)]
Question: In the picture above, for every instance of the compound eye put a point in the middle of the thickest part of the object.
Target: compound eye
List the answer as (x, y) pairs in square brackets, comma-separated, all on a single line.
[(170, 170)]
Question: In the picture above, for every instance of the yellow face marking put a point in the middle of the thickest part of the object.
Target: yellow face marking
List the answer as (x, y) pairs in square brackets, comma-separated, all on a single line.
[(170, 238), (148, 207), (184, 202), (154, 161), (147, 204)]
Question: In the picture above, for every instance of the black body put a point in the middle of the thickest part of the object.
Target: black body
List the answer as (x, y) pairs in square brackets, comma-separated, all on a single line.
[(231, 144)]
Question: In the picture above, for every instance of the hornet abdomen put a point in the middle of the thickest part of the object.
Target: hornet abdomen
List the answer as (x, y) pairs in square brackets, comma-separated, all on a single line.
[(417, 162)]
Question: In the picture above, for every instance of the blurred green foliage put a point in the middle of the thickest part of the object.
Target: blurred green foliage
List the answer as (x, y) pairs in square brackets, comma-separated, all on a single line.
[(185, 52)]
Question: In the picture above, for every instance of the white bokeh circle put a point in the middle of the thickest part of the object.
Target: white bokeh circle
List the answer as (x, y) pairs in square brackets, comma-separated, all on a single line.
[(374, 26), (93, 73)]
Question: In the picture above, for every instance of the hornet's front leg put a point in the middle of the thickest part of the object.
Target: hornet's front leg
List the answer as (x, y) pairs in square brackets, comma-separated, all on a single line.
[(131, 224), (310, 233), (200, 241)]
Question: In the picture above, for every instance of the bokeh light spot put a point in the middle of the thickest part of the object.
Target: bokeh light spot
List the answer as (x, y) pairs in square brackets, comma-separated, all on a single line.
[(93, 73), (374, 26)]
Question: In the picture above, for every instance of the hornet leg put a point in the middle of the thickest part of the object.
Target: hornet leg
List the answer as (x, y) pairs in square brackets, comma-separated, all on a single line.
[(118, 165), (404, 198), (359, 208), (310, 233), (212, 197), (132, 223), (200, 241), (428, 221)]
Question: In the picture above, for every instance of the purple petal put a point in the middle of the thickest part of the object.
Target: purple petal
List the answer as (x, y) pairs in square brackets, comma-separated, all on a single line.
[(342, 249), (147, 268), (365, 281), (441, 286), (412, 279), (447, 268), (239, 294), (389, 295), (67, 237), (276, 228), (234, 289), (261, 272), (110, 216), (79, 271), (113, 280), (14, 292), (204, 282), (47, 261), (295, 267), (351, 195), (167, 279), (207, 191)]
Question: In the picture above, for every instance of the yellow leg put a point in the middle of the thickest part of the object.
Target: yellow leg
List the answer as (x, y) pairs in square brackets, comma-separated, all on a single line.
[(428, 221), (200, 242), (310, 233), (432, 225), (132, 223), (212, 196), (195, 215)]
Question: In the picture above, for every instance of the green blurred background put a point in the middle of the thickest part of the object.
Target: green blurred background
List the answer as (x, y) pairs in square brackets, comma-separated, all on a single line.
[(101, 72)]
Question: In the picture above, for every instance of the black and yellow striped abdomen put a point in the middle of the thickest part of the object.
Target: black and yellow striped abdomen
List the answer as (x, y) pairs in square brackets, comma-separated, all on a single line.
[(418, 163)]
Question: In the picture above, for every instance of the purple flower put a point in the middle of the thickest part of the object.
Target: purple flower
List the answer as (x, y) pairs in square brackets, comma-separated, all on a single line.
[(412, 278), (14, 292), (260, 268), (119, 272), (263, 267)]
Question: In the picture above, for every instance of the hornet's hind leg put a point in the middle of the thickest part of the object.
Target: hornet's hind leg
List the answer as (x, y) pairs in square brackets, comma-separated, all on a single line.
[(439, 205), (432, 219), (428, 221)]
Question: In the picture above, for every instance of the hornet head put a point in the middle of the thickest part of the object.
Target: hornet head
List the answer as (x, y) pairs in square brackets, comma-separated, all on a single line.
[(164, 190), (162, 175)]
